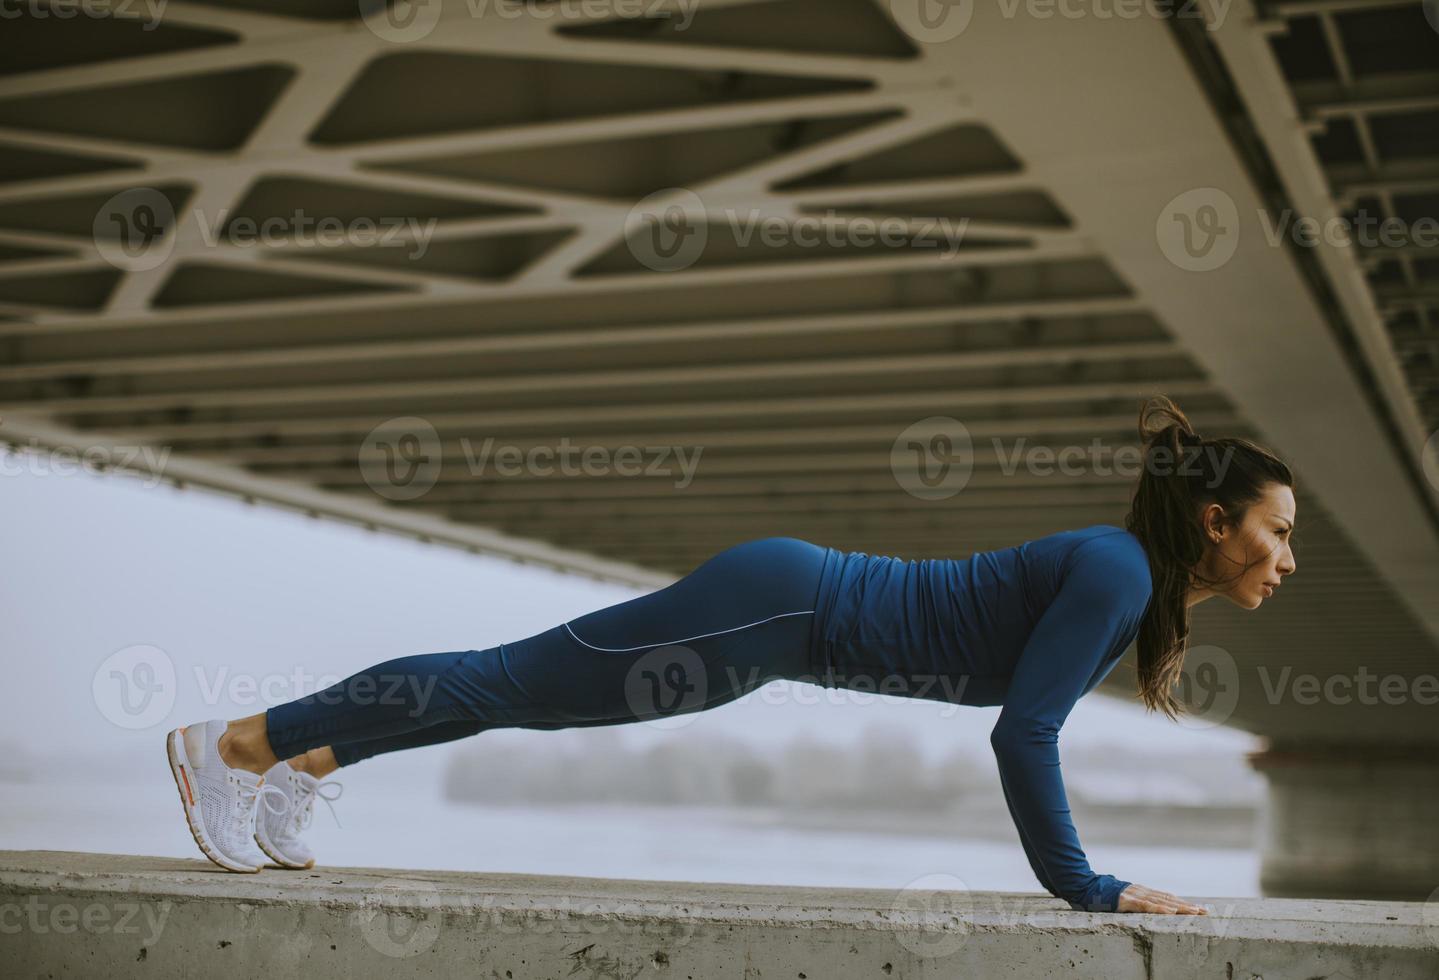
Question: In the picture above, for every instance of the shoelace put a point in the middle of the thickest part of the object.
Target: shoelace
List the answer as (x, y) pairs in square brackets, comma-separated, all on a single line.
[(305, 803), (248, 796)]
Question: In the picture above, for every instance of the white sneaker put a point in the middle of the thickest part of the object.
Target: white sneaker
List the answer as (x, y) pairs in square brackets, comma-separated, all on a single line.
[(219, 801), (278, 833)]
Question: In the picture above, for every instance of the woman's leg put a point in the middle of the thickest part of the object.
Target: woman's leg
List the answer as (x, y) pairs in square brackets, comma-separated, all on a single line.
[(349, 753), (742, 618), (737, 621), (246, 744)]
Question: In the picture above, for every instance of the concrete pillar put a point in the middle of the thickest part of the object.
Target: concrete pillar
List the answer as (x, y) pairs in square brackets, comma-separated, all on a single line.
[(1356, 821)]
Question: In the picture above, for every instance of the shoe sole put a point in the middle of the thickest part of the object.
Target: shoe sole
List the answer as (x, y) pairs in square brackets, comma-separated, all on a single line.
[(180, 768), (288, 865)]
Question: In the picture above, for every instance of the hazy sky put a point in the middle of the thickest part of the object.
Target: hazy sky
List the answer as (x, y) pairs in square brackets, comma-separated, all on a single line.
[(250, 604)]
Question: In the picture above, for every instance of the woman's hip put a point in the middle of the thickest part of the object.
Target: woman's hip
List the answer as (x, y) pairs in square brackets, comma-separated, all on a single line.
[(740, 588)]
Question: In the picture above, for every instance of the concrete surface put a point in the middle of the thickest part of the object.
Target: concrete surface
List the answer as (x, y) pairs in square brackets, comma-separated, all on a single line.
[(73, 914)]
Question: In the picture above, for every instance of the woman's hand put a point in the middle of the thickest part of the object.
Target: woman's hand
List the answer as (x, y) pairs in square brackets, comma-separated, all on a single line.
[(1137, 898)]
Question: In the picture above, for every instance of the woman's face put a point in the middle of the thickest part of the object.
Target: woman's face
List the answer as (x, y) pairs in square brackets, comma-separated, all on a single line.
[(1261, 542)]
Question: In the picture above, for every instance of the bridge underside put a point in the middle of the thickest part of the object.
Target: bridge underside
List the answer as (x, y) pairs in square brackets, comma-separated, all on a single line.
[(515, 295)]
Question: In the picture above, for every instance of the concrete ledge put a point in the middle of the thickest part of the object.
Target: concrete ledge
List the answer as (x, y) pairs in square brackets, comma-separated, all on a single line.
[(70, 914)]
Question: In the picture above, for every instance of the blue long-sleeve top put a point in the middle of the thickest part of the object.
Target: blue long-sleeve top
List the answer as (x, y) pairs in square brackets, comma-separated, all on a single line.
[(1032, 627)]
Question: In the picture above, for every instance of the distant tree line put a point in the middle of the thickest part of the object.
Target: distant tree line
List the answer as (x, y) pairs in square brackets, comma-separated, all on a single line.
[(884, 770)]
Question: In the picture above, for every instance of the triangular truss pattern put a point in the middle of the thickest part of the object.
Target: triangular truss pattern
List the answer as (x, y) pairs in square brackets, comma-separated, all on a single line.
[(262, 229), (836, 27)]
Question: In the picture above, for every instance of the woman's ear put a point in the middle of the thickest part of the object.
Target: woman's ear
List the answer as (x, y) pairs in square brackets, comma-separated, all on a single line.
[(1212, 520)]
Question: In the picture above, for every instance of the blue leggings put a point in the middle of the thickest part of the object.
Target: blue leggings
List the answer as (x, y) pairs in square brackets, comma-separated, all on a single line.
[(741, 619)]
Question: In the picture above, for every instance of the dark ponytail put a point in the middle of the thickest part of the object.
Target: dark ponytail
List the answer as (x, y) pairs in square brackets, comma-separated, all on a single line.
[(1182, 474)]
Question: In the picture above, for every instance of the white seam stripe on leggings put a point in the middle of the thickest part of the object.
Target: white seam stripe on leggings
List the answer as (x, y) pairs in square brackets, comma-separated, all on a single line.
[(701, 636)]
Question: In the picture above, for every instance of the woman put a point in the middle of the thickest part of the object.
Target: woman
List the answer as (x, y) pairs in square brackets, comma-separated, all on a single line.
[(1031, 627)]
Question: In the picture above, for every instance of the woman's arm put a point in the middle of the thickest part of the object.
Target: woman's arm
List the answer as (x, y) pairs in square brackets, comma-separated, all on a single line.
[(1029, 853), (1100, 596)]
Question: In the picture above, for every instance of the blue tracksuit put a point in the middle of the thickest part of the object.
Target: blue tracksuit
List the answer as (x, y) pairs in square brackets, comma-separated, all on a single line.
[(1032, 627)]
